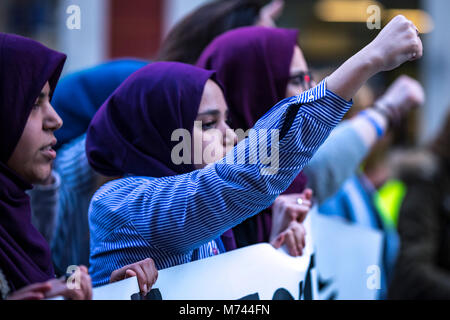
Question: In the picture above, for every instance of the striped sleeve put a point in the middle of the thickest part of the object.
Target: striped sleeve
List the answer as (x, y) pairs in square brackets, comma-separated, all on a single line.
[(181, 213)]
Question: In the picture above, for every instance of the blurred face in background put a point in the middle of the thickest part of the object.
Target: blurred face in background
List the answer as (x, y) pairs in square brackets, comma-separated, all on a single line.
[(300, 78), (33, 156), (211, 130)]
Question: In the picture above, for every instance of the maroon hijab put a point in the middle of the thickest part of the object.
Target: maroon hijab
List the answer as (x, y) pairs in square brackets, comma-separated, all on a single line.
[(25, 67), (253, 64)]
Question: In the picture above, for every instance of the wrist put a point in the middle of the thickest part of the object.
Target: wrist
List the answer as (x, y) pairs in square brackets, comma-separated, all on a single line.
[(371, 60), (377, 120), (385, 109)]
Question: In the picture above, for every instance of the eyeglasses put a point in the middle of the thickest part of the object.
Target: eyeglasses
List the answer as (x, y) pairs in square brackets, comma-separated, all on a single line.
[(303, 78)]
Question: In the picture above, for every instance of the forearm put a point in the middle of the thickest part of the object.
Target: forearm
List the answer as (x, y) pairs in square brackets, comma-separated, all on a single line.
[(353, 73), (335, 161)]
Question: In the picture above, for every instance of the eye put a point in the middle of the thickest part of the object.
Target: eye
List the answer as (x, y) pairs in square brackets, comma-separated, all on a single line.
[(296, 82), (208, 125)]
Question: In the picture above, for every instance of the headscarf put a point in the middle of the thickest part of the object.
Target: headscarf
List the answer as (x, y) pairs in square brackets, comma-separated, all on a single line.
[(25, 67), (79, 95), (253, 64), (131, 133)]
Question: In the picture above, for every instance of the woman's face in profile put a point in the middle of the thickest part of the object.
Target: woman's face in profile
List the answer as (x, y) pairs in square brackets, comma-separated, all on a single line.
[(33, 156), (300, 78), (212, 137)]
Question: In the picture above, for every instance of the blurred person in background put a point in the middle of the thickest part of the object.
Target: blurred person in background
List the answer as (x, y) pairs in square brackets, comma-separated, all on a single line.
[(422, 270), (189, 37), (356, 199)]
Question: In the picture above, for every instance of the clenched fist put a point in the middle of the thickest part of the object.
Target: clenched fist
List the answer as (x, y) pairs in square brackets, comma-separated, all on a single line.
[(397, 43)]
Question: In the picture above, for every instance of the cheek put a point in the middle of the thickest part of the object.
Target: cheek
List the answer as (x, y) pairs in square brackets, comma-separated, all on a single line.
[(207, 146), (293, 90), (26, 159)]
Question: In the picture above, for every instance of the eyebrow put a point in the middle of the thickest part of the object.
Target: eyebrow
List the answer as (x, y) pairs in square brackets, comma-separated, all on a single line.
[(300, 73), (210, 112)]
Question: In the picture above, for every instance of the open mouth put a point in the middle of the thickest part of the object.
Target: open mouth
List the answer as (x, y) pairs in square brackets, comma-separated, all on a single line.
[(48, 151)]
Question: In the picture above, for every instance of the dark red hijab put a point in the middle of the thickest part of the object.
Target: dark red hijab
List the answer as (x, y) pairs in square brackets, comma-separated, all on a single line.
[(253, 64), (25, 67)]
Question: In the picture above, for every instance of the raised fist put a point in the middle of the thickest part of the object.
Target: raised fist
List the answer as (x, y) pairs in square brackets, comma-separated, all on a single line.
[(397, 43)]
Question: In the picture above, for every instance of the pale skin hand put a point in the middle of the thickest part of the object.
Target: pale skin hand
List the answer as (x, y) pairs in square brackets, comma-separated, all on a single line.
[(403, 95), (287, 218), (56, 288), (61, 289), (35, 291), (144, 270), (397, 43)]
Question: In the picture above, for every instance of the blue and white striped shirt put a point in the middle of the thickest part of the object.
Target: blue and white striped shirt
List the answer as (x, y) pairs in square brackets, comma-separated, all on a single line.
[(174, 220)]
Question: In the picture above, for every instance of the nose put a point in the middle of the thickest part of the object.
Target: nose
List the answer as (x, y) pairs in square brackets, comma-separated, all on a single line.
[(52, 120)]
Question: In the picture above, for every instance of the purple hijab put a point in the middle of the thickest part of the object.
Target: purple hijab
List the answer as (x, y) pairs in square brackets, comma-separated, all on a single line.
[(131, 132), (253, 64), (25, 67)]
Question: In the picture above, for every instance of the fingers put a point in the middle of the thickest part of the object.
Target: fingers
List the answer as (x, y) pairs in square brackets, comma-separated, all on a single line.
[(308, 194), (297, 212), (37, 287), (141, 277), (278, 242), (32, 292), (86, 286), (129, 274), (148, 266), (83, 289), (291, 243)]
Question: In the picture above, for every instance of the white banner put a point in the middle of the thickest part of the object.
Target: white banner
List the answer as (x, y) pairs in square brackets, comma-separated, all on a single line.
[(348, 259), (257, 272)]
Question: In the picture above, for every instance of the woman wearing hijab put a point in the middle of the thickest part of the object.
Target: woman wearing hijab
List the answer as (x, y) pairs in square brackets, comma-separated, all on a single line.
[(174, 204), (259, 66), (60, 207), (29, 73)]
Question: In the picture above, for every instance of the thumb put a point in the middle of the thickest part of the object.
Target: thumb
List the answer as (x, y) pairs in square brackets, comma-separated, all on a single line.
[(278, 241), (129, 274), (308, 194)]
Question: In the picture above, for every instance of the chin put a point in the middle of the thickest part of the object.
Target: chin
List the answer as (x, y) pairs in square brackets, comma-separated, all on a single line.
[(42, 175)]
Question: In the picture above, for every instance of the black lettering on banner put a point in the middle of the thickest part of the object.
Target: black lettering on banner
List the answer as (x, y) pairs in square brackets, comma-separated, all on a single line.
[(308, 280), (154, 294), (253, 296), (282, 294)]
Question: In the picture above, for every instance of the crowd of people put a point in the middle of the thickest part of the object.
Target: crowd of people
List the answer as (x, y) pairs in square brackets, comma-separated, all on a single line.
[(225, 141)]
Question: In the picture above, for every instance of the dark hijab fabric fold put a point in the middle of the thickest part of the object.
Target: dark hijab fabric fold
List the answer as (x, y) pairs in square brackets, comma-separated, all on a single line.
[(253, 64), (131, 132), (25, 67)]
